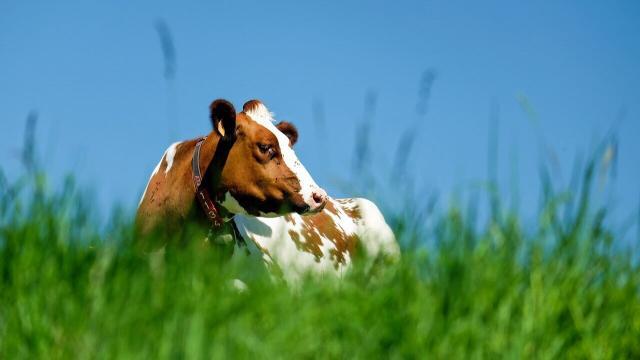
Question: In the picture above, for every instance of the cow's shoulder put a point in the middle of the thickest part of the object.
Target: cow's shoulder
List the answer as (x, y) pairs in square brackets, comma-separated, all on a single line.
[(374, 234), (166, 193)]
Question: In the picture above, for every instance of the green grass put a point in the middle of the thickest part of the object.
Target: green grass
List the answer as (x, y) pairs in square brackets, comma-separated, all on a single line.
[(72, 289)]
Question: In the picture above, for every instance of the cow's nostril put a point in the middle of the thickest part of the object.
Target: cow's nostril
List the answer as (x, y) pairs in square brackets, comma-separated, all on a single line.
[(319, 197), (316, 202)]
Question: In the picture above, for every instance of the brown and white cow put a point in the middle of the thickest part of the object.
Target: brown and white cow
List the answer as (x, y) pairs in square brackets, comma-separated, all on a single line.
[(259, 184)]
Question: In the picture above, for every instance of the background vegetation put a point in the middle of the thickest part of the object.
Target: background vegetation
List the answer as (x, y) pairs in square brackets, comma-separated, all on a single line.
[(72, 288)]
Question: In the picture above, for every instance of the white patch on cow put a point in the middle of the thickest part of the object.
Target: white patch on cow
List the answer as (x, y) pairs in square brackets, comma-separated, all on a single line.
[(264, 117), (373, 231), (270, 238), (155, 171), (342, 220), (170, 154), (273, 236), (261, 114)]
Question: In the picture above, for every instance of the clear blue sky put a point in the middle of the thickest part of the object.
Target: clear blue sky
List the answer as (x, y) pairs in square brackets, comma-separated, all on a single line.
[(94, 71)]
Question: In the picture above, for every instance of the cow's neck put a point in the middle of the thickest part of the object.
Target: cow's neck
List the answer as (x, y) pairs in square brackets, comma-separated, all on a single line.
[(214, 152)]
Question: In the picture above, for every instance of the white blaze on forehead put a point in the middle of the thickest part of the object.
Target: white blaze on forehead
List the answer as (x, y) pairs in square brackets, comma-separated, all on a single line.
[(260, 114)]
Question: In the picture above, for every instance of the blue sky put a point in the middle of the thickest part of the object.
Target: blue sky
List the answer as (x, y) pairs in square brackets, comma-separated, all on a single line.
[(94, 72)]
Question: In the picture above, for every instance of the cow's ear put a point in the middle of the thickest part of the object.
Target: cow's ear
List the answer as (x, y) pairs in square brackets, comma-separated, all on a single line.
[(288, 129), (223, 118)]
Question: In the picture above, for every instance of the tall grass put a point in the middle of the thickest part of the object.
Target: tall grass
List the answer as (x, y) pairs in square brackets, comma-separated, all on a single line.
[(566, 287), (71, 288)]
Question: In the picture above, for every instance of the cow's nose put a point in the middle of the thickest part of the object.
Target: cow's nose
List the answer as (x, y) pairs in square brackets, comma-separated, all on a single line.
[(319, 198)]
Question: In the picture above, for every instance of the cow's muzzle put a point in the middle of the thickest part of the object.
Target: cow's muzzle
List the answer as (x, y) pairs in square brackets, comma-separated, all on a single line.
[(317, 201)]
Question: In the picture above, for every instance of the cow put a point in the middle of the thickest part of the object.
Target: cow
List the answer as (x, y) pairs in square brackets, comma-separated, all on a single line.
[(245, 186)]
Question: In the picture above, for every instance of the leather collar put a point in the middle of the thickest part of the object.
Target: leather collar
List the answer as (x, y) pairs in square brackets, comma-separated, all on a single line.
[(209, 206)]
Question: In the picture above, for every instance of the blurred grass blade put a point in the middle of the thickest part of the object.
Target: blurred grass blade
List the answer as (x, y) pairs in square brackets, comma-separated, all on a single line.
[(29, 143)]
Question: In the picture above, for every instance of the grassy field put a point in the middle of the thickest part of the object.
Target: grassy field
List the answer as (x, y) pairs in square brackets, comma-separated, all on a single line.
[(70, 288)]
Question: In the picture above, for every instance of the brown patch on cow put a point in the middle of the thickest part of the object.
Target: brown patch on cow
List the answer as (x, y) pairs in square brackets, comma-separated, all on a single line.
[(353, 212), (166, 203), (330, 207), (154, 191), (350, 208), (309, 245), (291, 219), (321, 226), (296, 238)]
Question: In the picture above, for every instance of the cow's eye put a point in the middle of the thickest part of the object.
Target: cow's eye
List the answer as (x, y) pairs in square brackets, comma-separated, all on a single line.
[(264, 148), (267, 150)]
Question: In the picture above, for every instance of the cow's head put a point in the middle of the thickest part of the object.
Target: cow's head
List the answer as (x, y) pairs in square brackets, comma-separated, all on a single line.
[(262, 175)]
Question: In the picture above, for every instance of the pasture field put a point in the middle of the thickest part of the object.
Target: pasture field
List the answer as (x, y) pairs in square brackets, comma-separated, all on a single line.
[(70, 288)]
